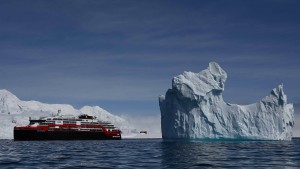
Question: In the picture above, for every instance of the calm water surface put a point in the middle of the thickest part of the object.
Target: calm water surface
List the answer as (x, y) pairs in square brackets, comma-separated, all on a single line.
[(149, 153)]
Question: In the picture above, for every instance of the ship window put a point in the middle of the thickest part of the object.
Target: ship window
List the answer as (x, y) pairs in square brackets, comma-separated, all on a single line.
[(57, 119)]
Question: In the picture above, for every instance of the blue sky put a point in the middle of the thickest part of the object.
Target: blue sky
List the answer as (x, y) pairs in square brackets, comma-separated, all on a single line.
[(121, 55)]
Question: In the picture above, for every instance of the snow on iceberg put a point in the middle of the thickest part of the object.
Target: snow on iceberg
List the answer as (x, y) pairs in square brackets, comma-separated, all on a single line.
[(194, 109), (14, 111)]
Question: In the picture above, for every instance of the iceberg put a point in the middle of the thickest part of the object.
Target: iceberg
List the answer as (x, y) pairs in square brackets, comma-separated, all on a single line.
[(194, 109), (16, 112)]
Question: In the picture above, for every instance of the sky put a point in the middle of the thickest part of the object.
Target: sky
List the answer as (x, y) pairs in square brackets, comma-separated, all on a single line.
[(121, 55)]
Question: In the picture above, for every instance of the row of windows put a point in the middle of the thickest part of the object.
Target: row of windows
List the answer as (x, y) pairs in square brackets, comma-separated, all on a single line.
[(95, 129), (82, 120)]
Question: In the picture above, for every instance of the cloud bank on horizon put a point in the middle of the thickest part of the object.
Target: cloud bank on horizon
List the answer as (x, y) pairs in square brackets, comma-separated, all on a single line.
[(122, 54)]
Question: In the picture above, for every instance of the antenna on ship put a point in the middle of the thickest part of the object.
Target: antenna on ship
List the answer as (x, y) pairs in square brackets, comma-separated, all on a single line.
[(13, 120), (58, 112)]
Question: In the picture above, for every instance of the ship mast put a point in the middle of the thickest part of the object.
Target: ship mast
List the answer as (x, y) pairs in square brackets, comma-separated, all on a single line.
[(58, 112)]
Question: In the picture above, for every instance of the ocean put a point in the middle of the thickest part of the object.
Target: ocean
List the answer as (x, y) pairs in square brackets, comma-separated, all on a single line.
[(149, 153)]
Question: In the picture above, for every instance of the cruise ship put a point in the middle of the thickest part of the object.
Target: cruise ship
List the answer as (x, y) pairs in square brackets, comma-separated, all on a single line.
[(83, 127)]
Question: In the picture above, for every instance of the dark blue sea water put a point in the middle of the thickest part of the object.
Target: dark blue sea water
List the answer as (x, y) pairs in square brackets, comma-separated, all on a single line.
[(149, 153)]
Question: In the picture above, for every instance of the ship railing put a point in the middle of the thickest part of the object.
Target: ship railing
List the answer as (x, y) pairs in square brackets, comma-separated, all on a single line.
[(105, 122), (35, 118)]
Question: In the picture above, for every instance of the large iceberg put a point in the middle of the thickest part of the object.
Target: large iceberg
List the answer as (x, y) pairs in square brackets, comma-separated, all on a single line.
[(194, 109)]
